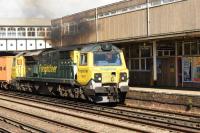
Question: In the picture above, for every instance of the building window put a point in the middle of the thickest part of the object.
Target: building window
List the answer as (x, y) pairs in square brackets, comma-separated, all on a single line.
[(140, 57), (148, 63), (135, 64), (133, 7), (21, 32), (166, 53), (31, 32), (198, 45), (143, 64), (41, 32), (56, 32), (48, 32), (2, 32), (166, 49), (66, 28), (172, 53), (134, 53), (179, 49), (73, 28), (11, 32), (187, 49), (159, 53), (145, 51), (194, 48)]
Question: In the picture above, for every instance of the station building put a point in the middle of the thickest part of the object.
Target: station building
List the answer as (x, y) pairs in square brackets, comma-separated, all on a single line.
[(24, 34), (160, 38)]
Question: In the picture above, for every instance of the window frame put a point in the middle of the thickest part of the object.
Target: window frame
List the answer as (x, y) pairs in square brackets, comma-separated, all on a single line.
[(12, 32), (139, 59), (2, 32), (21, 32), (41, 32), (31, 32)]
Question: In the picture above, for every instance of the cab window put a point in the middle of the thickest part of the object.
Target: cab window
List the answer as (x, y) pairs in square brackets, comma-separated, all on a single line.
[(107, 59), (14, 62), (83, 60)]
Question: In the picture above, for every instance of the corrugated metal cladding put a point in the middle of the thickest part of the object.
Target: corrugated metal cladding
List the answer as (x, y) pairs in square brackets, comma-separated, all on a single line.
[(177, 17), (127, 20)]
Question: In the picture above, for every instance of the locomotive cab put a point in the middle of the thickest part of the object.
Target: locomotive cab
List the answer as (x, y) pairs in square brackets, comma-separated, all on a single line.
[(102, 70)]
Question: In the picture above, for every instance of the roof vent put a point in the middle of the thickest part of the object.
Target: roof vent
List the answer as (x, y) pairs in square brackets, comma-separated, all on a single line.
[(106, 47)]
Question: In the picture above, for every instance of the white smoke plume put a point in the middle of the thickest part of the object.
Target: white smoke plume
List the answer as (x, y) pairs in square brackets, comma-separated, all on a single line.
[(46, 8)]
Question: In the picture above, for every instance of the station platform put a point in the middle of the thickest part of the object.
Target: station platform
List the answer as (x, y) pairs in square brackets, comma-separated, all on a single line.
[(183, 100)]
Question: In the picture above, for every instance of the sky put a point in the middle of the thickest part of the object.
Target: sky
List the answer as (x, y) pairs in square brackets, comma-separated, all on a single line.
[(46, 8)]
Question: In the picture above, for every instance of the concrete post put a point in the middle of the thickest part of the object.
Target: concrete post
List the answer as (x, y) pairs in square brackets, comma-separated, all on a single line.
[(26, 32), (154, 63), (36, 31), (6, 32), (176, 64), (17, 32)]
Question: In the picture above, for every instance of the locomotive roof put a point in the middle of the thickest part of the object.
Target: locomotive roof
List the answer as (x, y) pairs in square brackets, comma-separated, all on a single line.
[(82, 48), (88, 47), (37, 52)]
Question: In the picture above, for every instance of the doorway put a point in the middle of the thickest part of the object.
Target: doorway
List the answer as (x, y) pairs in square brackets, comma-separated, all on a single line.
[(166, 71)]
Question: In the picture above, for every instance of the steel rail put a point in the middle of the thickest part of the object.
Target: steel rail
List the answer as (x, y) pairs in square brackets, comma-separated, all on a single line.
[(4, 131), (120, 114), (22, 125), (64, 113), (48, 120)]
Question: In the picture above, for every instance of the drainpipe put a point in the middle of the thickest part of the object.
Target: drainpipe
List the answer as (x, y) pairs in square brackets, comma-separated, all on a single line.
[(148, 19), (96, 19), (61, 40)]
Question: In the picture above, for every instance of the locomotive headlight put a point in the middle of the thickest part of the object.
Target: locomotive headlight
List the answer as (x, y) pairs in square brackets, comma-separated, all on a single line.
[(97, 77), (123, 76)]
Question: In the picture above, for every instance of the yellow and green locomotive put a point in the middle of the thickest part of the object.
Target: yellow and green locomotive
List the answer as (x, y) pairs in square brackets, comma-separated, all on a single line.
[(96, 72)]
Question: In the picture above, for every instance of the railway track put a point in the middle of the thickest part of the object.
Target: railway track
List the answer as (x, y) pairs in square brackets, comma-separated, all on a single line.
[(33, 128), (163, 121), (12, 101), (3, 131), (21, 125)]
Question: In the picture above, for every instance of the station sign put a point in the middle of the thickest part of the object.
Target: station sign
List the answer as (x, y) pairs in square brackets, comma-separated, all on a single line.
[(165, 47)]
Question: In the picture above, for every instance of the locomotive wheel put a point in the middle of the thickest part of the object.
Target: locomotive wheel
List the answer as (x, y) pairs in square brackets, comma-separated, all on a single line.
[(5, 86), (62, 91)]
